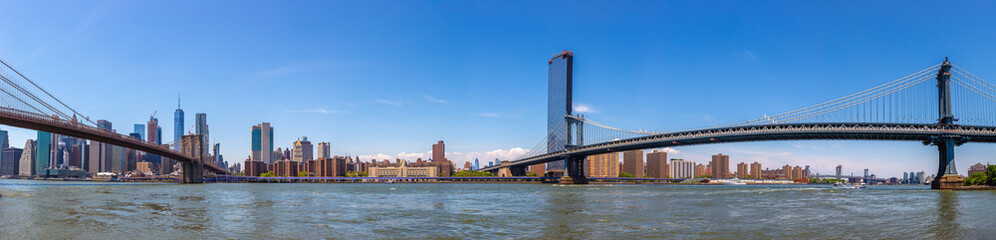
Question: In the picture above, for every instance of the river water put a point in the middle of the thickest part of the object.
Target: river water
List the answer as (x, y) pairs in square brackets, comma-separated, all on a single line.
[(32, 209)]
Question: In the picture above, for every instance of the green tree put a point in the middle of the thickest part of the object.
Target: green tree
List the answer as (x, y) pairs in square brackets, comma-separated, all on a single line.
[(302, 174), (356, 174), (531, 174), (626, 175), (990, 175), (267, 174), (472, 174), (977, 179)]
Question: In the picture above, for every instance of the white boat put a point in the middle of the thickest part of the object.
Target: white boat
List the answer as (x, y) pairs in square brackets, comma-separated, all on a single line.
[(734, 181)]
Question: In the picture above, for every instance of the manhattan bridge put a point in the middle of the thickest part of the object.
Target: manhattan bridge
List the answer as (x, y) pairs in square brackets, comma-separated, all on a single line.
[(918, 107)]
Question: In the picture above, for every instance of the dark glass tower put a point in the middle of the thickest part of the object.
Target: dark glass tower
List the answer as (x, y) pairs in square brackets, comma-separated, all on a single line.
[(561, 68)]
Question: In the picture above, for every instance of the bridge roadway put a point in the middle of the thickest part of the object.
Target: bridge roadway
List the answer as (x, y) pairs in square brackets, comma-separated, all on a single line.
[(34, 121), (925, 133)]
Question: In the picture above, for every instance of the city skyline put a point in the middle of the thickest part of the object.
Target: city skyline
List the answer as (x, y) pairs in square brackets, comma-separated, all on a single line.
[(372, 116)]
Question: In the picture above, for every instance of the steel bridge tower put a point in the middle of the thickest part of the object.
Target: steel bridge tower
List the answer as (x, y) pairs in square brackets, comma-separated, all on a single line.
[(947, 176)]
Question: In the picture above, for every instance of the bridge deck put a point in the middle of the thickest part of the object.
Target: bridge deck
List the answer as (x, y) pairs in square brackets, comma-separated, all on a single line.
[(771, 132)]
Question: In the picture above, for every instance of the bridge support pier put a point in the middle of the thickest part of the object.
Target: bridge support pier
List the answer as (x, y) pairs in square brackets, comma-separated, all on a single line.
[(192, 172), (574, 172), (947, 176)]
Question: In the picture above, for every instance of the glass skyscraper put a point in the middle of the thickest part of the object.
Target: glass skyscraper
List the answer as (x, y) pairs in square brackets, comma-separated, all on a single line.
[(561, 68), (177, 125), (140, 129), (201, 128)]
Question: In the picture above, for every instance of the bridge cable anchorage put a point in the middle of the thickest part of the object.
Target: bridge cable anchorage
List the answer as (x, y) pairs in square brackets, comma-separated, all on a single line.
[(84, 117)]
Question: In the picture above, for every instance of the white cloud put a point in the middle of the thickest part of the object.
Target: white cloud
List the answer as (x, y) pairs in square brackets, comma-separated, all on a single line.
[(435, 100), (488, 114), (387, 102), (583, 108), (317, 110)]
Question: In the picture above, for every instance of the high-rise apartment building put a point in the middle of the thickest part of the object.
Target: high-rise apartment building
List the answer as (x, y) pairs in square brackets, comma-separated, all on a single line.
[(720, 166), (633, 162), (303, 150), (755, 171), (439, 152), (682, 169), (742, 171), (602, 165), (324, 150), (262, 143), (27, 165), (657, 164), (560, 89), (787, 171)]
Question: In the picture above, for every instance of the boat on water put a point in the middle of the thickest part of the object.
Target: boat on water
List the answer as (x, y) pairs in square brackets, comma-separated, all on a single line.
[(849, 186), (734, 181)]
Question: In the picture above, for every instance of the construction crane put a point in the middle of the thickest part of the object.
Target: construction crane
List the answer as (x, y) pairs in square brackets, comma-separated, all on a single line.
[(153, 115)]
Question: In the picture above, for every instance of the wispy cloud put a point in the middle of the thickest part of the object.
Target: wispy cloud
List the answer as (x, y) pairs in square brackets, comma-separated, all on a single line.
[(748, 55), (584, 108), (388, 102), (488, 114), (317, 110), (435, 100)]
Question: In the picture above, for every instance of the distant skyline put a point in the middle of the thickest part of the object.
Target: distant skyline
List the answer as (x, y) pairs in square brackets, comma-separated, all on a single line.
[(387, 79)]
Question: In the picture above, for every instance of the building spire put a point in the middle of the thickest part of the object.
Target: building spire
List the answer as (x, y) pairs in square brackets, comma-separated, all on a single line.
[(177, 100)]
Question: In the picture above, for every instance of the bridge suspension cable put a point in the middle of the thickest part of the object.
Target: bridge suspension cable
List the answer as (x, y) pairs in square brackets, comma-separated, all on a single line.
[(20, 90)]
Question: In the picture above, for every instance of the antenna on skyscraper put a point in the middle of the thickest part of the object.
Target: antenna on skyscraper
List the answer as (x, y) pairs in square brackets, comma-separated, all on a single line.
[(177, 100)]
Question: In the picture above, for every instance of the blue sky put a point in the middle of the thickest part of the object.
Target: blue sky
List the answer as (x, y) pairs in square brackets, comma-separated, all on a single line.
[(389, 78)]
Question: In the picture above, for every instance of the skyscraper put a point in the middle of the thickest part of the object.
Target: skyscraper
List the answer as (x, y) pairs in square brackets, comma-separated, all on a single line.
[(633, 163), (720, 166), (262, 143), (177, 125), (324, 150), (560, 70), (439, 152), (43, 153), (201, 128), (477, 164), (140, 129), (27, 166), (4, 138), (153, 127), (10, 160), (303, 150), (219, 161), (657, 164)]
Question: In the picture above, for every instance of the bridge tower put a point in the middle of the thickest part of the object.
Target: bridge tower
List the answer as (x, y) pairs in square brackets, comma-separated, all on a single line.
[(947, 177)]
